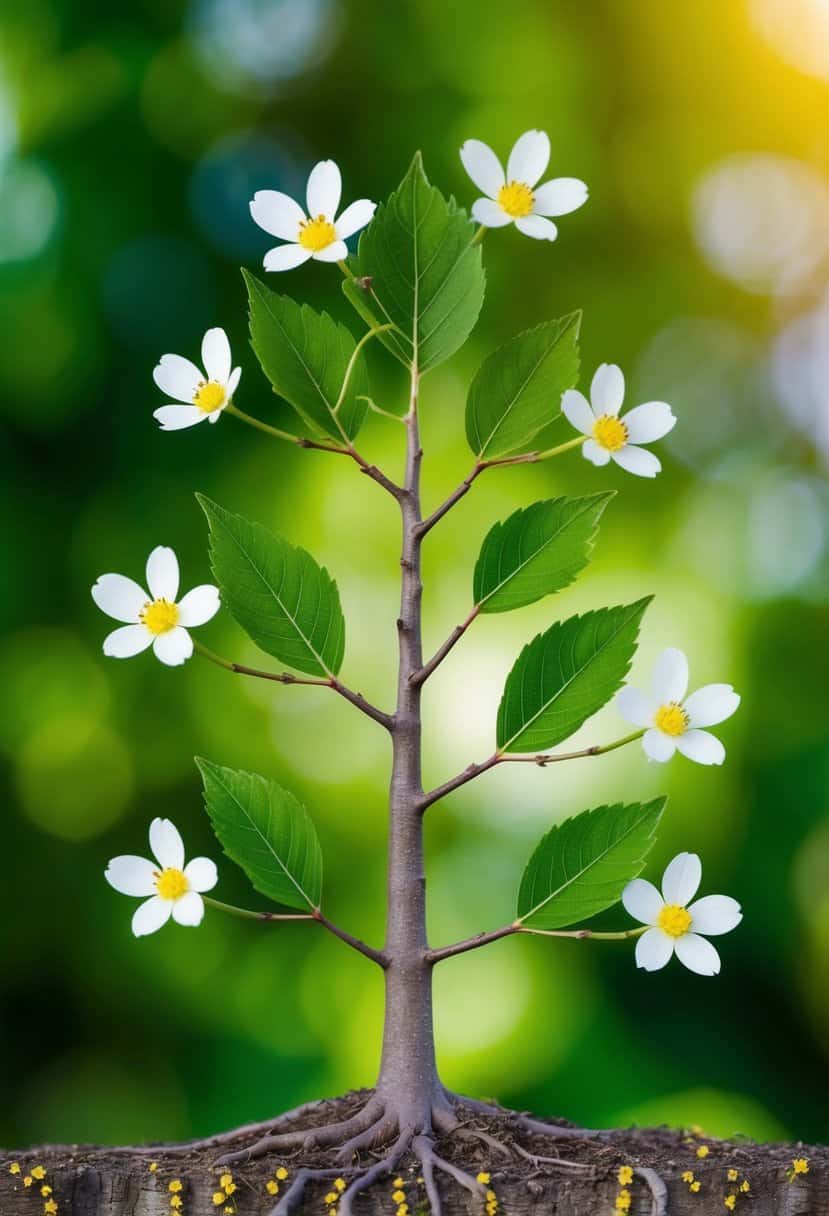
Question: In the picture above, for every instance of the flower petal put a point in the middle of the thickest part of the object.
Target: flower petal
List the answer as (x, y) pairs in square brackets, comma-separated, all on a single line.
[(130, 875), (215, 355), (277, 213), (607, 389), (285, 257), (537, 227), (355, 217), (670, 676), (711, 704), (715, 914), (701, 747), (483, 166), (642, 901), (595, 453), (178, 417), (698, 955), (335, 252), (681, 879), (560, 196), (150, 916), (576, 409), (658, 746), (166, 844), (490, 214), (649, 422), (127, 641), (162, 574), (654, 950), (325, 186), (529, 157), (119, 597), (173, 648), (201, 873), (178, 377), (638, 461), (635, 706), (199, 605), (189, 909), (233, 381)]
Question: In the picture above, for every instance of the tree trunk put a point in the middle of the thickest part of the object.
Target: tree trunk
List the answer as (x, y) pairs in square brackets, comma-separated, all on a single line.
[(408, 1081)]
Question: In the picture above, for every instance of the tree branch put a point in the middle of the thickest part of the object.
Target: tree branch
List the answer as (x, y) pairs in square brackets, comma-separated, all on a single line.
[(471, 943), (494, 935), (286, 677), (542, 759), (429, 522), (376, 956), (419, 677)]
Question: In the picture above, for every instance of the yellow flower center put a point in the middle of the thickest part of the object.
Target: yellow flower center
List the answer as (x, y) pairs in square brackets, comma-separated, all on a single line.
[(316, 234), (516, 199), (674, 920), (160, 616), (209, 396), (671, 719), (171, 884), (610, 432)]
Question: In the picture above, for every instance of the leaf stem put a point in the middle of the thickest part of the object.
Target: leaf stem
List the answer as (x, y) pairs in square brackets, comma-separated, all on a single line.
[(378, 329), (246, 914), (286, 677), (260, 426), (479, 235), (541, 759), (485, 939)]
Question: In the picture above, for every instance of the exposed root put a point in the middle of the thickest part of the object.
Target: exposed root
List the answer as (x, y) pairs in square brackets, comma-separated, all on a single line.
[(556, 1163), (322, 1137), (657, 1188), (292, 1198), (268, 1126), (430, 1161), (385, 1166)]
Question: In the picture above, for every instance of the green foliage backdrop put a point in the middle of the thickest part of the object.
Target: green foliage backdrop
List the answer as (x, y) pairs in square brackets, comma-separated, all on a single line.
[(130, 143)]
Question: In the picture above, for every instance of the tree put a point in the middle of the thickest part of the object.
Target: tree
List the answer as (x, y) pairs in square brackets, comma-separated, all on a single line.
[(417, 281)]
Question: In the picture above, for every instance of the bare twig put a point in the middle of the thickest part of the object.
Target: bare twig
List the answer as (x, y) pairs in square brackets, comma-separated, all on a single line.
[(466, 485), (472, 943), (419, 677), (286, 677), (376, 956), (541, 760)]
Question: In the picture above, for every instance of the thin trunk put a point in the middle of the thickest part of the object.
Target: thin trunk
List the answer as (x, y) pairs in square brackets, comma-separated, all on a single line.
[(408, 1072)]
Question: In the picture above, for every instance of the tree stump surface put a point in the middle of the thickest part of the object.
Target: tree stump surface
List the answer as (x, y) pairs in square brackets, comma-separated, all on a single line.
[(88, 1180)]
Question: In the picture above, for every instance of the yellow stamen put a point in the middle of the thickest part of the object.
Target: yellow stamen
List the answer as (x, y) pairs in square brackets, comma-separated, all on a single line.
[(209, 396), (516, 199), (671, 719), (676, 921), (317, 234), (610, 433), (160, 616), (171, 884)]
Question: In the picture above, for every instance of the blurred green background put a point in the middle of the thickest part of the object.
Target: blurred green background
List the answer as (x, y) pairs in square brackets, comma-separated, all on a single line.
[(131, 138)]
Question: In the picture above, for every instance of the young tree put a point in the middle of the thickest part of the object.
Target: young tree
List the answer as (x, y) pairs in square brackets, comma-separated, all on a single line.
[(417, 282)]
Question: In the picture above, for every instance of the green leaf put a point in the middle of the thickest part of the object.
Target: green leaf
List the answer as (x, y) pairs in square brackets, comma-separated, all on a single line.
[(426, 274), (566, 675), (305, 355), (517, 390), (537, 551), (288, 604), (582, 866), (266, 831)]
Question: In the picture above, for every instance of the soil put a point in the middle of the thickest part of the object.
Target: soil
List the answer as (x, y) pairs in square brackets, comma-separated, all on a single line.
[(88, 1180)]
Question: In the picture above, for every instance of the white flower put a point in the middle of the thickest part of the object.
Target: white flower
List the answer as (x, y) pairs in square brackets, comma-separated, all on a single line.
[(205, 393), (157, 619), (175, 889), (672, 719), (319, 234), (512, 197), (675, 927), (611, 437)]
